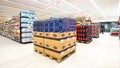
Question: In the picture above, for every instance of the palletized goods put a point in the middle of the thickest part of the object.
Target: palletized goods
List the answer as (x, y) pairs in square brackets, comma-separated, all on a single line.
[(84, 33), (55, 37), (95, 30)]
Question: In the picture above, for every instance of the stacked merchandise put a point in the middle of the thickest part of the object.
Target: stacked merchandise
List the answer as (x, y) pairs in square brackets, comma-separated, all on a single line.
[(1, 28), (83, 20), (119, 26), (115, 31), (84, 33), (11, 28), (26, 26), (2, 19), (119, 32), (80, 20), (20, 28), (55, 37), (95, 30)]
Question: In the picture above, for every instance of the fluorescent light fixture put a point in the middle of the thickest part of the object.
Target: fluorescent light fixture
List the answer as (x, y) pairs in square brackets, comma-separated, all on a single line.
[(97, 7), (77, 8), (51, 6), (27, 6)]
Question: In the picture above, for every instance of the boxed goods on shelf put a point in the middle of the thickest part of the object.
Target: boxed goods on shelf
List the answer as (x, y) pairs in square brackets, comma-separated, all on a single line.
[(119, 31), (95, 30), (115, 31), (20, 28), (119, 26), (55, 37), (1, 28), (84, 33)]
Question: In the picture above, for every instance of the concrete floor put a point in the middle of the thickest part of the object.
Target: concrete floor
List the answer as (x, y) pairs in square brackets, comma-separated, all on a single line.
[(103, 52)]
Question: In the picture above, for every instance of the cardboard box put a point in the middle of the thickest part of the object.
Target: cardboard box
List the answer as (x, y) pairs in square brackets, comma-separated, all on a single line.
[(38, 34), (55, 35), (72, 33), (61, 54), (38, 41), (39, 49), (56, 44), (71, 41)]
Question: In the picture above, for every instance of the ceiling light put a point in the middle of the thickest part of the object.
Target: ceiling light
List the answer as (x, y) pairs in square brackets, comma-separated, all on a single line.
[(97, 7)]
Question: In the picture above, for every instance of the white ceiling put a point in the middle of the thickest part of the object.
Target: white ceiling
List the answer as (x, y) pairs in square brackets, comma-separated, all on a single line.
[(99, 9)]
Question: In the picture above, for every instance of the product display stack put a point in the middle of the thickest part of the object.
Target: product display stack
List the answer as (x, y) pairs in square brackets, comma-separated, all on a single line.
[(19, 28), (95, 30), (80, 20), (84, 33), (1, 28), (119, 27), (26, 26), (55, 38)]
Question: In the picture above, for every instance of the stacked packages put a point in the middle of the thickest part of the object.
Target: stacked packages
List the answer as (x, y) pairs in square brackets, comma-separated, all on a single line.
[(55, 37), (19, 28), (26, 31), (84, 33), (95, 30)]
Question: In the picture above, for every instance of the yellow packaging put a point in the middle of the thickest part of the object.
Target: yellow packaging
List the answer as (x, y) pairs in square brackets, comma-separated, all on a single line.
[(40, 49), (72, 33), (71, 41), (71, 49), (38, 34), (54, 54), (38, 41), (55, 35), (55, 44)]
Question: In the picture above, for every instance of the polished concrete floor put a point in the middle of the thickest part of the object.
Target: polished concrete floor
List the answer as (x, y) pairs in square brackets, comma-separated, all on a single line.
[(103, 52)]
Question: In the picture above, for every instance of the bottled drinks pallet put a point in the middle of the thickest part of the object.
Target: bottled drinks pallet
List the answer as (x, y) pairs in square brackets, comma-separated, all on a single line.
[(84, 33)]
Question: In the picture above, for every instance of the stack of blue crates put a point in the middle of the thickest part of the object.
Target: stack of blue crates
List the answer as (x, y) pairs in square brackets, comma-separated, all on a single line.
[(56, 25)]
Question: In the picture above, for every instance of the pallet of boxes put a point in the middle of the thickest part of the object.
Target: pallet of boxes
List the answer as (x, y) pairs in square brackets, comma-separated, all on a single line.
[(95, 30), (55, 38), (83, 30), (84, 33)]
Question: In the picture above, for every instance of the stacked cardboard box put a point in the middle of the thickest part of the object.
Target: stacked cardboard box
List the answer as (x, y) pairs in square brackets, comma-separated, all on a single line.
[(95, 30), (84, 33), (119, 26), (80, 20), (1, 28), (119, 32), (83, 20), (26, 26), (55, 37), (20, 27)]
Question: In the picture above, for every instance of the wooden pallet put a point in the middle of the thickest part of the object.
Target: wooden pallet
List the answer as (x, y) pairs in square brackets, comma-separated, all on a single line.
[(60, 59), (95, 36), (39, 52), (86, 42), (54, 58)]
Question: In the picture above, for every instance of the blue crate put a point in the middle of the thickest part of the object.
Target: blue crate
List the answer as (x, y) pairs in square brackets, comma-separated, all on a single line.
[(51, 29), (46, 29)]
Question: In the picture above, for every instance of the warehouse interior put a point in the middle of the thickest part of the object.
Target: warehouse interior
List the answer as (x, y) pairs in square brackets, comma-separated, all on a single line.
[(60, 33)]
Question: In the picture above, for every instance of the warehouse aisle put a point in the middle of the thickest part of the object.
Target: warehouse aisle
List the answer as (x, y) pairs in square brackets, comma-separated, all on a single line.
[(103, 52)]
